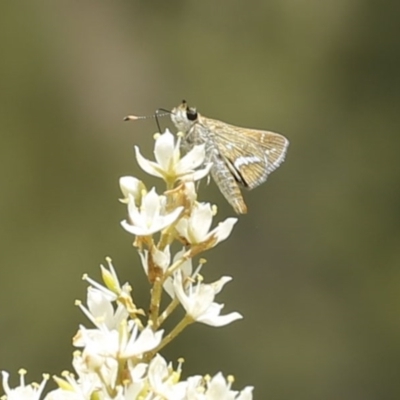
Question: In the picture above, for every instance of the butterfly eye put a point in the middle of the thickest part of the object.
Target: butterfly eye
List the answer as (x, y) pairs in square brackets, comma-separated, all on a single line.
[(191, 114)]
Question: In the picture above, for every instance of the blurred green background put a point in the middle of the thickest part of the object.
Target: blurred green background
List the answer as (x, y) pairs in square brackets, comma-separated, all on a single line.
[(316, 262)]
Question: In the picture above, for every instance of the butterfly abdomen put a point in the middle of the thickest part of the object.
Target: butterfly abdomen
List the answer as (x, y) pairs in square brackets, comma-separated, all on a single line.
[(227, 185)]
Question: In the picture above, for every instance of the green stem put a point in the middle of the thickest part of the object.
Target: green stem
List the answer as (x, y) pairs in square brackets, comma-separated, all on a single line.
[(167, 312), (155, 302), (174, 267), (187, 320)]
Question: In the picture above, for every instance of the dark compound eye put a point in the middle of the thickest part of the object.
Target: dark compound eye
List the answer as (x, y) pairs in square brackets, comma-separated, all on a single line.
[(191, 114)]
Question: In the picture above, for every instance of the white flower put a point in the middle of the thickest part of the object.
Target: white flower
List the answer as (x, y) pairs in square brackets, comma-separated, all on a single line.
[(23, 391), (131, 186), (220, 388), (196, 228), (84, 381), (99, 345), (186, 269), (198, 301), (169, 165), (125, 343), (160, 258), (75, 388), (195, 390), (246, 393), (216, 388), (139, 343), (164, 381), (101, 311), (151, 216), (131, 391), (62, 394), (190, 191)]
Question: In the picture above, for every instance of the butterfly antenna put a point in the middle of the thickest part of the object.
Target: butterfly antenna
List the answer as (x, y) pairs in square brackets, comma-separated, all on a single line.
[(161, 112)]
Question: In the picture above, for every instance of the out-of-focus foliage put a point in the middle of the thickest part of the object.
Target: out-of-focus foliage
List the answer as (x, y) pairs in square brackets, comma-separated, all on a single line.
[(316, 262)]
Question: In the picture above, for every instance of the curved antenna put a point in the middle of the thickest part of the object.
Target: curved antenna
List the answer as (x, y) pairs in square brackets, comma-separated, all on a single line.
[(160, 112)]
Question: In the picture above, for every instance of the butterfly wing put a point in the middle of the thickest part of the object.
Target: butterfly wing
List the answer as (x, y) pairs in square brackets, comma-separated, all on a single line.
[(250, 154), (273, 144)]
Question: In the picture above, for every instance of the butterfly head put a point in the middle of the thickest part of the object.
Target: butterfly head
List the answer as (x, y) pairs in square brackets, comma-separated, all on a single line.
[(184, 117)]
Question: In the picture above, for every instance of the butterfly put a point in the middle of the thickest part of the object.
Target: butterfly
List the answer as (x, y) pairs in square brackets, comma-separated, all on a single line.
[(240, 157)]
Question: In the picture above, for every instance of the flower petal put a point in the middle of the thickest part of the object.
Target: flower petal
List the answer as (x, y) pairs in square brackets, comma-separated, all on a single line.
[(246, 393), (150, 167), (200, 222), (224, 229), (193, 159), (201, 173), (161, 258), (219, 320), (131, 186), (151, 206), (147, 340), (164, 150)]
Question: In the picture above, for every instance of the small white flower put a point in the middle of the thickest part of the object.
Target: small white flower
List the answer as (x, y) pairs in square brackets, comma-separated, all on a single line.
[(169, 165), (196, 228), (151, 216), (62, 394), (76, 388), (189, 191), (160, 258), (132, 391), (113, 288), (186, 269), (98, 344), (216, 388), (220, 388), (195, 390), (137, 371), (198, 301), (101, 311), (246, 393), (23, 391), (131, 186), (164, 381), (105, 348), (138, 343)]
